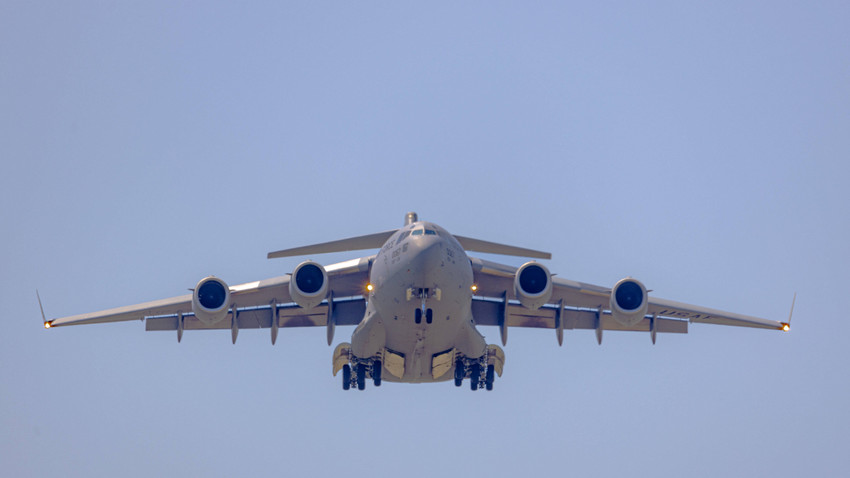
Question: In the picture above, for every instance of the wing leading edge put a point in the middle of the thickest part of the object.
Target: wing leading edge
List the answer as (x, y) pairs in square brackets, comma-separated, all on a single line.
[(578, 305), (254, 303)]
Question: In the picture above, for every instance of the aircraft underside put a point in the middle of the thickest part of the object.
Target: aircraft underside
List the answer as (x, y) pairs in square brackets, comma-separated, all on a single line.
[(393, 366), (428, 338)]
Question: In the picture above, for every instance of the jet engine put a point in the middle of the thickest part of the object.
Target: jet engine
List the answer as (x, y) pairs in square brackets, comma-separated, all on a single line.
[(533, 285), (629, 301), (210, 300), (308, 285)]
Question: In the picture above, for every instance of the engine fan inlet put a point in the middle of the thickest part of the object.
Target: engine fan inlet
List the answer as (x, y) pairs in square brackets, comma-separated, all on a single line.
[(212, 294)]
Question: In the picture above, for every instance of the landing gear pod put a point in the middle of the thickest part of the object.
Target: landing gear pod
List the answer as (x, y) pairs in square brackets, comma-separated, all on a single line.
[(629, 301), (308, 285), (210, 300)]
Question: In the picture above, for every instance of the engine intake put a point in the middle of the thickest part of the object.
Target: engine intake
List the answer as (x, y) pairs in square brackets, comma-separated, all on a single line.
[(210, 300), (533, 285), (629, 301), (308, 285)]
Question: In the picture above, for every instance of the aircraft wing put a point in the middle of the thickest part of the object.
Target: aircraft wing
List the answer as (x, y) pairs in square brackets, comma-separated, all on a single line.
[(578, 305), (256, 304)]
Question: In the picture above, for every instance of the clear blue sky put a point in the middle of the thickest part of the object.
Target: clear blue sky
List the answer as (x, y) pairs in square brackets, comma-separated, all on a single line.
[(700, 148)]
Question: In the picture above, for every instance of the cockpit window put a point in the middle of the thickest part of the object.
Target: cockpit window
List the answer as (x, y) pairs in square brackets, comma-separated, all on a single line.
[(417, 232), (430, 232), (402, 237)]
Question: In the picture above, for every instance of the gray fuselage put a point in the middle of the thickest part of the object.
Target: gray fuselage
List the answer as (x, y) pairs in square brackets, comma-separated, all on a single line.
[(420, 302)]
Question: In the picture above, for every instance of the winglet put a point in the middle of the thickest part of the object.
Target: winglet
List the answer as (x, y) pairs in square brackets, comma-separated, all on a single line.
[(786, 326), (46, 322)]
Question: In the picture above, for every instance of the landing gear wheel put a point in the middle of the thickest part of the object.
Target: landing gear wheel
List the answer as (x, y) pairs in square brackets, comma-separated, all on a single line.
[(460, 372), (361, 376), (474, 376), (346, 377), (491, 375), (376, 372)]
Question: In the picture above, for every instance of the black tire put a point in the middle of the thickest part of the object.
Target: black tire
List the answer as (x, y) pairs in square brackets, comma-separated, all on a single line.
[(361, 376), (474, 376), (346, 377), (490, 377), (376, 372), (460, 372)]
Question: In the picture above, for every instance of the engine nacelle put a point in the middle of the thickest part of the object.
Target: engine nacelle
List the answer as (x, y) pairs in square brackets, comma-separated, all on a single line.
[(211, 300), (629, 301), (533, 285), (308, 285)]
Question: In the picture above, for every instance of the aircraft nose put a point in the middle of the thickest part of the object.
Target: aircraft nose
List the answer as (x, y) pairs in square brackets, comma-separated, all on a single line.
[(428, 251), (431, 244)]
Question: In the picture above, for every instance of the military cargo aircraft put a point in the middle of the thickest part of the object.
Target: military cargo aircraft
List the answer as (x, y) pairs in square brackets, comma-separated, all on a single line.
[(416, 306)]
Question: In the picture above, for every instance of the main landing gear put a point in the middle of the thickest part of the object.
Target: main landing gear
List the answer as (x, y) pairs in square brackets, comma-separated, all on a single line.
[(482, 371), (356, 370), (473, 372), (361, 370)]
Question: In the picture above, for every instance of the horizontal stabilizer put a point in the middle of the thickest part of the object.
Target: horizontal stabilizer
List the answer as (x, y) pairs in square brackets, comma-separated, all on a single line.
[(477, 245), (371, 241)]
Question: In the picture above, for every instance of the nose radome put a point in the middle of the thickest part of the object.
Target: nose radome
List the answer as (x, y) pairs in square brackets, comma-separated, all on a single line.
[(431, 248), (428, 250)]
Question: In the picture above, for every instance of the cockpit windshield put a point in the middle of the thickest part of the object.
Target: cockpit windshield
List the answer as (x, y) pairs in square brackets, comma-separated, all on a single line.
[(428, 232)]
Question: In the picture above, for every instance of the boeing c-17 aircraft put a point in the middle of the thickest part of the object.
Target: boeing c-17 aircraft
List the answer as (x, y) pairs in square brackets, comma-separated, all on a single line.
[(416, 306)]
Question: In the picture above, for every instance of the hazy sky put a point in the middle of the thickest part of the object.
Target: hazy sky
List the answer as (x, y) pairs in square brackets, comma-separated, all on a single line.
[(702, 148)]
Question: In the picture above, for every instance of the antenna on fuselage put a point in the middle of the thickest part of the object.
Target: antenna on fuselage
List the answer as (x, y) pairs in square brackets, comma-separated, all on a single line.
[(410, 218)]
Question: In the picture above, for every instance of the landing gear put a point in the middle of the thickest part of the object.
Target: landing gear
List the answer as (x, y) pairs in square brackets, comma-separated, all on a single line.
[(356, 371), (346, 377), (481, 371), (460, 372), (474, 376), (376, 372), (361, 376), (490, 377)]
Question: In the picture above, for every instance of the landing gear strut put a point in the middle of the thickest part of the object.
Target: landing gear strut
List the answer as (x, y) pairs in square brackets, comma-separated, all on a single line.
[(490, 377)]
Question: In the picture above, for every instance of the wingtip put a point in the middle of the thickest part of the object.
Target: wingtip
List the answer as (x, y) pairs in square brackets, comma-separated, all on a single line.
[(47, 323), (786, 326)]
